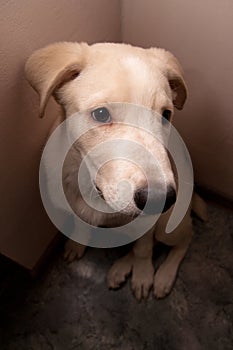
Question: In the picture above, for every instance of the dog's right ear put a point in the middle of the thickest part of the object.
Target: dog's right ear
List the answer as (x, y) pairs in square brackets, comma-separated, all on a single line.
[(174, 74), (47, 69)]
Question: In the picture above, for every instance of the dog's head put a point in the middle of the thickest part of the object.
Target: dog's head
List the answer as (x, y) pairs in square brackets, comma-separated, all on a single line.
[(93, 80)]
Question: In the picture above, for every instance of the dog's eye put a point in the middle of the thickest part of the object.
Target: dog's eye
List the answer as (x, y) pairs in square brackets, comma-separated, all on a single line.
[(166, 116), (101, 115)]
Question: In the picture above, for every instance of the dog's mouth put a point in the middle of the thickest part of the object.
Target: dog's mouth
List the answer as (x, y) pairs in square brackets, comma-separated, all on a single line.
[(100, 193)]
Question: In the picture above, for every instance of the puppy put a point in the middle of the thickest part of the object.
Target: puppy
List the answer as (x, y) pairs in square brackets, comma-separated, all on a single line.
[(92, 80)]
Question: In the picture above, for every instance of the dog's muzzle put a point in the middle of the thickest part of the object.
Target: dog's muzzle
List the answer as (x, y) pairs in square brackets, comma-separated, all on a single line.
[(152, 202)]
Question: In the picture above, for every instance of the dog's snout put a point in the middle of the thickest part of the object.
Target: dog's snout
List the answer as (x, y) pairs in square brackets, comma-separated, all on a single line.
[(153, 201)]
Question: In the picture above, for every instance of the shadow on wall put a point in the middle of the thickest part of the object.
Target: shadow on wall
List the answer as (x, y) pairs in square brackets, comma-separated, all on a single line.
[(203, 130)]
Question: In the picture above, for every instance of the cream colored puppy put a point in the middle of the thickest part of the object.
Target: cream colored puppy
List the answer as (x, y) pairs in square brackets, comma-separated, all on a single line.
[(90, 79)]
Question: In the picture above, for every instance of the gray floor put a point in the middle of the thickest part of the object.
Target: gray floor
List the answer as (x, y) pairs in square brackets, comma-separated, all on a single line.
[(69, 306)]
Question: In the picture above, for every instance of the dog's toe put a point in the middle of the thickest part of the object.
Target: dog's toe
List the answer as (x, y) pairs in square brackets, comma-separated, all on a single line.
[(137, 291), (163, 282), (119, 271), (142, 278), (73, 250)]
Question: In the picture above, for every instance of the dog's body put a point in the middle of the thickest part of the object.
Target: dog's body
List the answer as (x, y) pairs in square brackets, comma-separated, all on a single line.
[(89, 79)]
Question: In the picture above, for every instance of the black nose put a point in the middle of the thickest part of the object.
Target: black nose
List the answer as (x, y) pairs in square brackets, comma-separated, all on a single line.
[(154, 205)]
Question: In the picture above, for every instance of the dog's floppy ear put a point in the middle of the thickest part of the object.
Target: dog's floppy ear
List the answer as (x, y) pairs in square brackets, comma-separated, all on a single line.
[(49, 68), (174, 74)]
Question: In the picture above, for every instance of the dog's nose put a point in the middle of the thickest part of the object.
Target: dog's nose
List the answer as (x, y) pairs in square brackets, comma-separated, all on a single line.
[(154, 205)]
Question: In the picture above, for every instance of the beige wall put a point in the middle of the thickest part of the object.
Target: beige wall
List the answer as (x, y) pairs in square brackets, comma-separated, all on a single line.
[(26, 25), (200, 34)]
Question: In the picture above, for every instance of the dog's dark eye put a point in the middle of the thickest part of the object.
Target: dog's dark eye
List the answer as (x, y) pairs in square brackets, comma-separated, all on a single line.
[(101, 115), (166, 116)]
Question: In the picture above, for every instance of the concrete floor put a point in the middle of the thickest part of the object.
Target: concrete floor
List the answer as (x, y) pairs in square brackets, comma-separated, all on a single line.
[(69, 307)]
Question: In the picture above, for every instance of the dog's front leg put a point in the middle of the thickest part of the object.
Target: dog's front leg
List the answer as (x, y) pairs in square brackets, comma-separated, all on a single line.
[(143, 269), (139, 262), (74, 250), (167, 272)]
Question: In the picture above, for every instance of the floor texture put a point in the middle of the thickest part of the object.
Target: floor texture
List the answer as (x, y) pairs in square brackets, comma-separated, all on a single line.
[(69, 307)]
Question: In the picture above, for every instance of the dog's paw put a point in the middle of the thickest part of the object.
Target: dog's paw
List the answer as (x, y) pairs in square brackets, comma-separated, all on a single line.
[(142, 278), (163, 281), (119, 271), (73, 250)]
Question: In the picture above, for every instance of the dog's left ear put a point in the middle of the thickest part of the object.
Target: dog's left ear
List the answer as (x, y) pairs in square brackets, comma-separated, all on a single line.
[(49, 68), (174, 74)]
